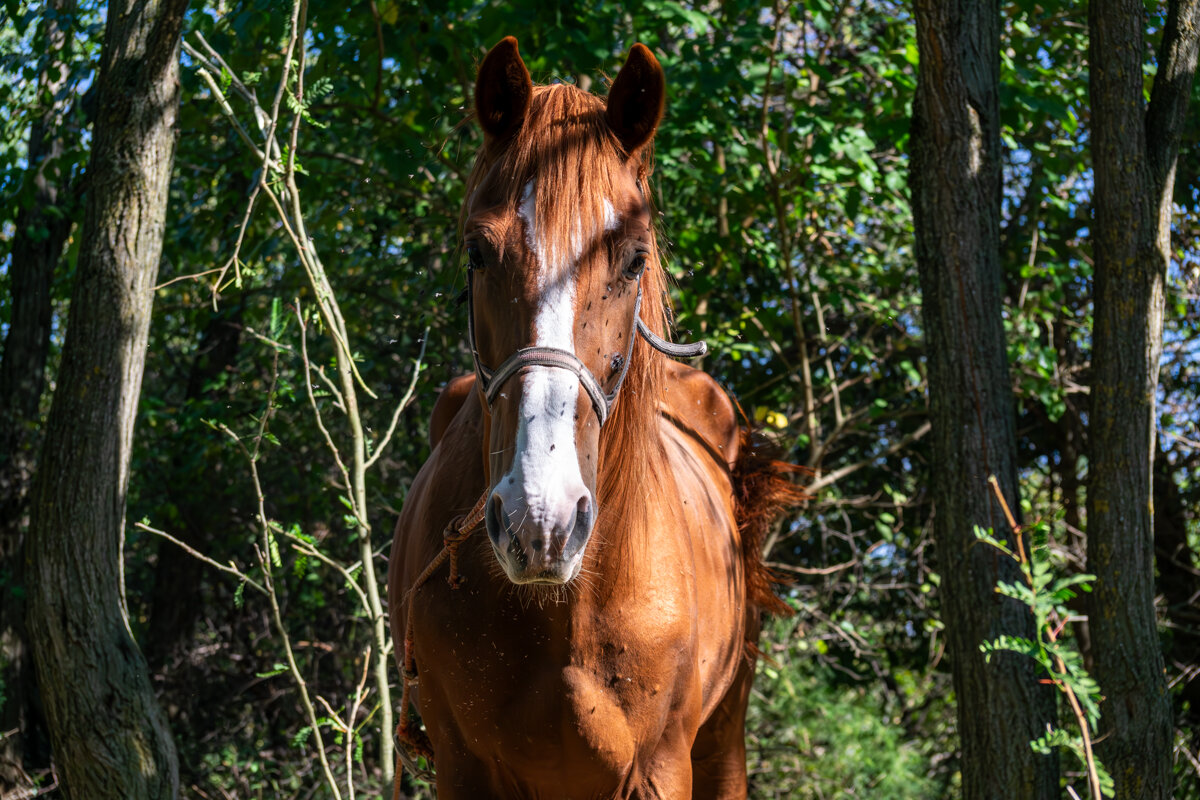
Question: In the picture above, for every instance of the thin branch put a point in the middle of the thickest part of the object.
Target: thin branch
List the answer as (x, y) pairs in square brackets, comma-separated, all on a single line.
[(312, 400), (219, 96), (349, 376), (1081, 720), (264, 559), (192, 277), (359, 695), (841, 472), (263, 554), (268, 340), (813, 570), (307, 549), (404, 401), (286, 201), (228, 568)]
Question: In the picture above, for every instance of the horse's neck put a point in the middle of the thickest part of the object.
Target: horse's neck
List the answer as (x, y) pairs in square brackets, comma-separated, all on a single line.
[(636, 509)]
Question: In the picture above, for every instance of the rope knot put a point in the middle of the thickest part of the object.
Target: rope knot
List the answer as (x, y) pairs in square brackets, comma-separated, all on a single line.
[(455, 534)]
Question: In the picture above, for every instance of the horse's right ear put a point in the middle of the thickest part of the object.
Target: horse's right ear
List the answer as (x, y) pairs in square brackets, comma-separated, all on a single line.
[(502, 90)]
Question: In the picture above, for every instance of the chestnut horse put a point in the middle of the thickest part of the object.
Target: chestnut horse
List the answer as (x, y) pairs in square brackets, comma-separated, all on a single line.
[(598, 641)]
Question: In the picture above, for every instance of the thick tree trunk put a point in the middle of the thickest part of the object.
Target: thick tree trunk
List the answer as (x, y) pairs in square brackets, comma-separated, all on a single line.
[(1133, 159), (40, 232), (109, 736), (955, 179)]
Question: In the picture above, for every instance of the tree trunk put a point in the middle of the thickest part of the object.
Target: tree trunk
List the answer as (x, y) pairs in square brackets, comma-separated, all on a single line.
[(955, 179), (109, 736), (41, 230), (1133, 159)]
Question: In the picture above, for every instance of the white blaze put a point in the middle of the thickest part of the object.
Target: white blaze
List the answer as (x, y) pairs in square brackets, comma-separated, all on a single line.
[(546, 462)]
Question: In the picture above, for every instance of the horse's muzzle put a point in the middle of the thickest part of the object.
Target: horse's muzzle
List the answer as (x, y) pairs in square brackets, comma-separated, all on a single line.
[(540, 542)]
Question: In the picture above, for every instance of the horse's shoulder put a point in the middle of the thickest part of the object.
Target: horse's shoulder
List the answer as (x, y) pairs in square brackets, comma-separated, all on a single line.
[(447, 484), (696, 401), (453, 470), (447, 406)]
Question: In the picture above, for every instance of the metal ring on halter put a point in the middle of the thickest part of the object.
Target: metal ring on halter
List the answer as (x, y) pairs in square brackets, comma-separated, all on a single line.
[(492, 380)]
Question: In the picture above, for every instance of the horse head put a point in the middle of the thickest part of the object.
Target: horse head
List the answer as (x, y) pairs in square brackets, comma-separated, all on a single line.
[(559, 238)]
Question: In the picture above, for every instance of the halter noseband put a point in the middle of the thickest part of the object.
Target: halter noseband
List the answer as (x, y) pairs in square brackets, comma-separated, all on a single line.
[(492, 380)]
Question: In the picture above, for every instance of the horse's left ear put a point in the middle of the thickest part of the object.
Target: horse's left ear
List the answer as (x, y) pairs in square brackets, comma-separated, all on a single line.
[(635, 101)]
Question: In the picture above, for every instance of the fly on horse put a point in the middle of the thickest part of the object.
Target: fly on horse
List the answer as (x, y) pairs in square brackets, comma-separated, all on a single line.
[(598, 640)]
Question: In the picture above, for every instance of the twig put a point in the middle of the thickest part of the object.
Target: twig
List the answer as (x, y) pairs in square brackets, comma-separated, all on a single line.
[(312, 400), (309, 550), (227, 110), (1080, 718), (263, 553), (812, 570), (230, 568), (403, 404), (1193, 762), (191, 277), (268, 340), (841, 472), (359, 695), (268, 133), (284, 196)]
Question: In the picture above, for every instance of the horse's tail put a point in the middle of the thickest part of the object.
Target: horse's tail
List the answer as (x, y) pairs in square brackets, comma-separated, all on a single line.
[(763, 493)]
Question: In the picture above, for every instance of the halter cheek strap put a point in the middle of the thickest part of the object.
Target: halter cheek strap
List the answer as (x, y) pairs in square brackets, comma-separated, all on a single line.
[(672, 349), (491, 381)]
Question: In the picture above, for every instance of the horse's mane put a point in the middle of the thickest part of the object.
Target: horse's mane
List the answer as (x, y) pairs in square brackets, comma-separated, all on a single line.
[(567, 148)]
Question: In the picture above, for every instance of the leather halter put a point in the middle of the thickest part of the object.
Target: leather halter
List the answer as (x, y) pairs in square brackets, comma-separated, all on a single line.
[(492, 380)]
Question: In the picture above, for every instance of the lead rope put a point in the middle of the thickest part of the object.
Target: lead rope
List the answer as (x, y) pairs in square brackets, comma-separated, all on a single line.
[(411, 739)]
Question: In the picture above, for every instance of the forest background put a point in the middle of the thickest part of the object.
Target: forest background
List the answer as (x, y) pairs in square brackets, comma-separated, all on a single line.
[(783, 185)]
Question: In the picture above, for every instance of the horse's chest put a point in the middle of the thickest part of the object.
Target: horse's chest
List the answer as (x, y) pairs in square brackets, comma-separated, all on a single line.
[(554, 696), (597, 718)]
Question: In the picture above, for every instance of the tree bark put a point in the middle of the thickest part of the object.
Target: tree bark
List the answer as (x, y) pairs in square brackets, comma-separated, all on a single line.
[(955, 179), (41, 230), (1133, 159), (109, 736)]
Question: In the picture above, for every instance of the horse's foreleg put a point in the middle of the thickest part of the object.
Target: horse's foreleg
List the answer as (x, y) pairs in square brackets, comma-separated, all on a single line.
[(463, 777), (719, 753), (668, 772)]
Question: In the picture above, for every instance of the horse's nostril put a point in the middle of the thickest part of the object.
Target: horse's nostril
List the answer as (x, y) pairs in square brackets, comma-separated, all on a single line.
[(583, 515), (495, 517)]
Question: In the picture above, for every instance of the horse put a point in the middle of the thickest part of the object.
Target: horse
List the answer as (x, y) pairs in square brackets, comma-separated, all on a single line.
[(599, 640)]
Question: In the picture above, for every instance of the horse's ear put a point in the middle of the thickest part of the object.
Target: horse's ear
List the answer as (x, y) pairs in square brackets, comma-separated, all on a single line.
[(502, 90), (635, 101)]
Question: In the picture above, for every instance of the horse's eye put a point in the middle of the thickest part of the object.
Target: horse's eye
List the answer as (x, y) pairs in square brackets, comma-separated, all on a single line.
[(636, 266), (475, 256)]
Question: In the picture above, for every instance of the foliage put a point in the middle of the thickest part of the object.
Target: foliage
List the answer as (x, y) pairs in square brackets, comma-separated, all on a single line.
[(781, 188), (817, 732)]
